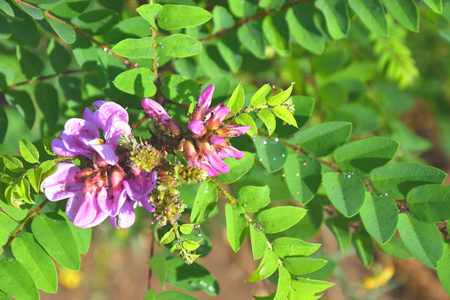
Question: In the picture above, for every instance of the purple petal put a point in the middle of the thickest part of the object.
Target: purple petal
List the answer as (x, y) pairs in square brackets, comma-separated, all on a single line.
[(88, 115), (106, 152), (197, 128), (114, 129), (216, 139), (73, 205), (73, 144), (146, 204), (65, 172), (82, 128), (155, 110), (108, 109), (126, 217), (230, 131), (63, 191), (207, 166), (216, 119), (204, 101), (86, 212), (102, 201), (230, 151), (217, 163), (61, 150), (100, 217)]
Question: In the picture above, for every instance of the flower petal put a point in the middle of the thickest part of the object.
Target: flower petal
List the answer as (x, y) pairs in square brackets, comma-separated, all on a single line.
[(73, 205), (86, 212), (126, 216), (230, 131), (204, 101), (114, 129), (197, 128), (108, 109), (60, 149), (216, 118), (106, 152), (65, 172), (155, 110)]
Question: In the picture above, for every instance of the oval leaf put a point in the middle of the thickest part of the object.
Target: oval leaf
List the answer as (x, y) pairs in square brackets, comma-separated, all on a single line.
[(16, 281), (303, 265), (137, 81), (280, 218), (237, 168), (267, 267), (430, 203), (253, 198), (271, 153), (179, 45), (372, 14), (286, 246), (204, 202), (172, 17), (236, 225), (135, 48)]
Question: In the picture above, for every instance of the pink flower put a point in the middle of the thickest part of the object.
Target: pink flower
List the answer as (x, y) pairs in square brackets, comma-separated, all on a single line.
[(210, 136), (158, 113), (82, 137)]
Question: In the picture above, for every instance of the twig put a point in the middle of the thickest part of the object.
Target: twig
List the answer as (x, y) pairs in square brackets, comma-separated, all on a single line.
[(230, 198), (150, 271)]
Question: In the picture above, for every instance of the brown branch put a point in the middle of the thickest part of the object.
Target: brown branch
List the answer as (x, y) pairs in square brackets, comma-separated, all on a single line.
[(252, 18), (150, 271), (68, 72)]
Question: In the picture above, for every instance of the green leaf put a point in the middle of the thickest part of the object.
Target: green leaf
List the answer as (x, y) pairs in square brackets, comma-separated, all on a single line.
[(243, 9), (251, 36), (5, 29), (280, 218), (204, 202), (16, 281), (47, 100), (137, 81), (12, 163), (322, 139), (284, 283), (435, 5), (246, 119), (379, 215), (258, 241), (191, 245), (179, 45), (167, 238), (85, 53), (276, 31), (172, 17), (134, 27), (236, 225), (63, 30), (174, 295), (6, 7), (22, 187), (364, 247), (286, 246), (430, 203), (303, 176), (186, 228), (41, 267), (237, 168), (97, 21), (395, 248), (24, 105), (58, 56), (346, 192), (53, 233), (31, 10), (4, 124), (302, 27), (222, 19), (398, 179), (24, 29), (339, 228), (443, 268), (422, 239), (237, 100), (260, 97), (253, 198), (158, 265), (150, 294), (405, 12), (281, 97), (284, 114), (6, 228), (229, 49), (135, 48), (271, 153), (13, 212), (30, 64), (372, 14), (149, 12), (303, 265), (366, 154), (268, 119), (267, 267), (336, 16), (70, 8), (306, 288), (198, 279)]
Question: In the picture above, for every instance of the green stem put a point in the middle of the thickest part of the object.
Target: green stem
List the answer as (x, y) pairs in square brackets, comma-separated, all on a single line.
[(228, 196)]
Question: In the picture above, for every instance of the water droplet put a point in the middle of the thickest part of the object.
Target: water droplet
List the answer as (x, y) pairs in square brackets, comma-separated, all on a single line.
[(297, 174), (260, 159), (305, 164), (193, 284), (349, 176), (276, 139), (297, 192), (179, 19), (258, 226), (9, 259), (274, 158), (197, 230), (386, 194), (54, 220), (265, 142), (283, 155), (212, 289), (284, 175)]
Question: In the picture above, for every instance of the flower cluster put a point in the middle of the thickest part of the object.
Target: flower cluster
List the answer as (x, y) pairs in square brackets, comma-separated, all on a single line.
[(206, 144), (103, 189)]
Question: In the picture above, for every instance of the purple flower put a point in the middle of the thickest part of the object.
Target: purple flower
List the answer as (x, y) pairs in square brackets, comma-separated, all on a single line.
[(103, 189), (210, 135), (82, 137), (158, 113)]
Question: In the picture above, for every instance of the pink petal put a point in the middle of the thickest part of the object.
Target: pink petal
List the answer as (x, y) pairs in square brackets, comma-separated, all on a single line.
[(216, 139), (114, 129), (63, 191), (86, 212), (108, 109), (230, 131), (230, 151), (60, 149), (73, 205), (82, 128), (155, 110), (126, 217), (102, 200), (88, 115), (65, 172), (204, 101), (106, 152), (216, 119), (197, 128), (217, 163), (207, 166)]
